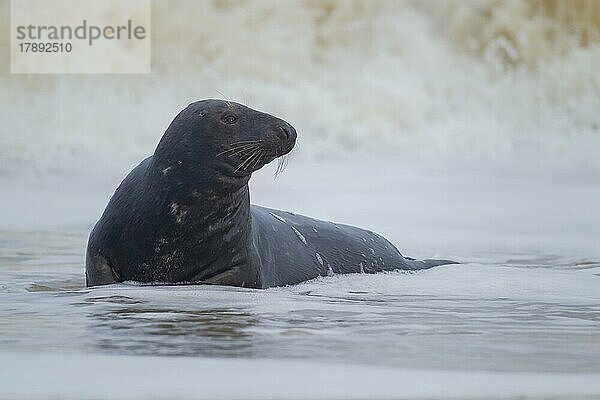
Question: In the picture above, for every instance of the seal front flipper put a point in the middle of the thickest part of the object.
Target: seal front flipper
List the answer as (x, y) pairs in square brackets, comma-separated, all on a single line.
[(99, 271)]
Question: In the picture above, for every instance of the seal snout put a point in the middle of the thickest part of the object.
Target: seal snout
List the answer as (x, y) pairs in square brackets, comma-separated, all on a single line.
[(286, 133), (287, 137)]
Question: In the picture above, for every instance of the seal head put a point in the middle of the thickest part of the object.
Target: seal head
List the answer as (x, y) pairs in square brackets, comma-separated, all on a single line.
[(223, 138)]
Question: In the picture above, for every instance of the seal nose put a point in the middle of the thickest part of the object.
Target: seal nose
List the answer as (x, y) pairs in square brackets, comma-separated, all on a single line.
[(287, 133)]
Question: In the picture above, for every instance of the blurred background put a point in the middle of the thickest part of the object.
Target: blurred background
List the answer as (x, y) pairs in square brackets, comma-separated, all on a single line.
[(509, 82)]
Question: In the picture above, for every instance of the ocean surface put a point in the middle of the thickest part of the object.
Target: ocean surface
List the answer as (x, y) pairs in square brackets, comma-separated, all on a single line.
[(520, 318), (456, 129)]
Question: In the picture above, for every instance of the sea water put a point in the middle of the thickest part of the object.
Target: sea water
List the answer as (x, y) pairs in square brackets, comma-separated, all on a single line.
[(519, 317)]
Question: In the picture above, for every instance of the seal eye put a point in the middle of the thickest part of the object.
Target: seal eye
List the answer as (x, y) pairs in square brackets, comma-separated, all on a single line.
[(230, 119)]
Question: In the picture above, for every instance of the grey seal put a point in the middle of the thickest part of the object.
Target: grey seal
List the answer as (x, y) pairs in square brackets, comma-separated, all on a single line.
[(183, 215)]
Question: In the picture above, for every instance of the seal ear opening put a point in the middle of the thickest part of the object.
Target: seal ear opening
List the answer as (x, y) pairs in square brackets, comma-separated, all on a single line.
[(99, 272)]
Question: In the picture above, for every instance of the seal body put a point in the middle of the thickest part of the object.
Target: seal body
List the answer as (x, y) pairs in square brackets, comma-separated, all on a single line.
[(293, 248), (183, 215)]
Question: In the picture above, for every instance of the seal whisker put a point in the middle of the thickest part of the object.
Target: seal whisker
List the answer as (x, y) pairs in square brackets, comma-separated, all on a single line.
[(233, 149), (225, 99), (240, 165), (247, 149), (243, 163), (242, 144), (262, 154), (256, 156), (249, 161), (248, 141), (256, 159), (278, 168), (238, 149), (282, 163)]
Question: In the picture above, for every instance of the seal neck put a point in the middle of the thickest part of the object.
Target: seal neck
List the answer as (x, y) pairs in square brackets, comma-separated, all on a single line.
[(196, 174), (210, 219), (225, 225)]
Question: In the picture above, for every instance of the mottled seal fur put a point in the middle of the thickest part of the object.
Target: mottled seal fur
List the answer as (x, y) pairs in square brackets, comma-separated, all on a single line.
[(183, 215)]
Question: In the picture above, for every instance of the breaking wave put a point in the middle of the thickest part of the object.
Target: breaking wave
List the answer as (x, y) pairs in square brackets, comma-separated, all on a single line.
[(512, 81)]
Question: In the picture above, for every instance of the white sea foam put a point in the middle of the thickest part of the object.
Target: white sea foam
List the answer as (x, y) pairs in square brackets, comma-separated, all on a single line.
[(505, 81)]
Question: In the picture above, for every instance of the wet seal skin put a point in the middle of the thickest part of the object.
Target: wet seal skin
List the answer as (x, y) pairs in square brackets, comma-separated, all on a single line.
[(183, 215)]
